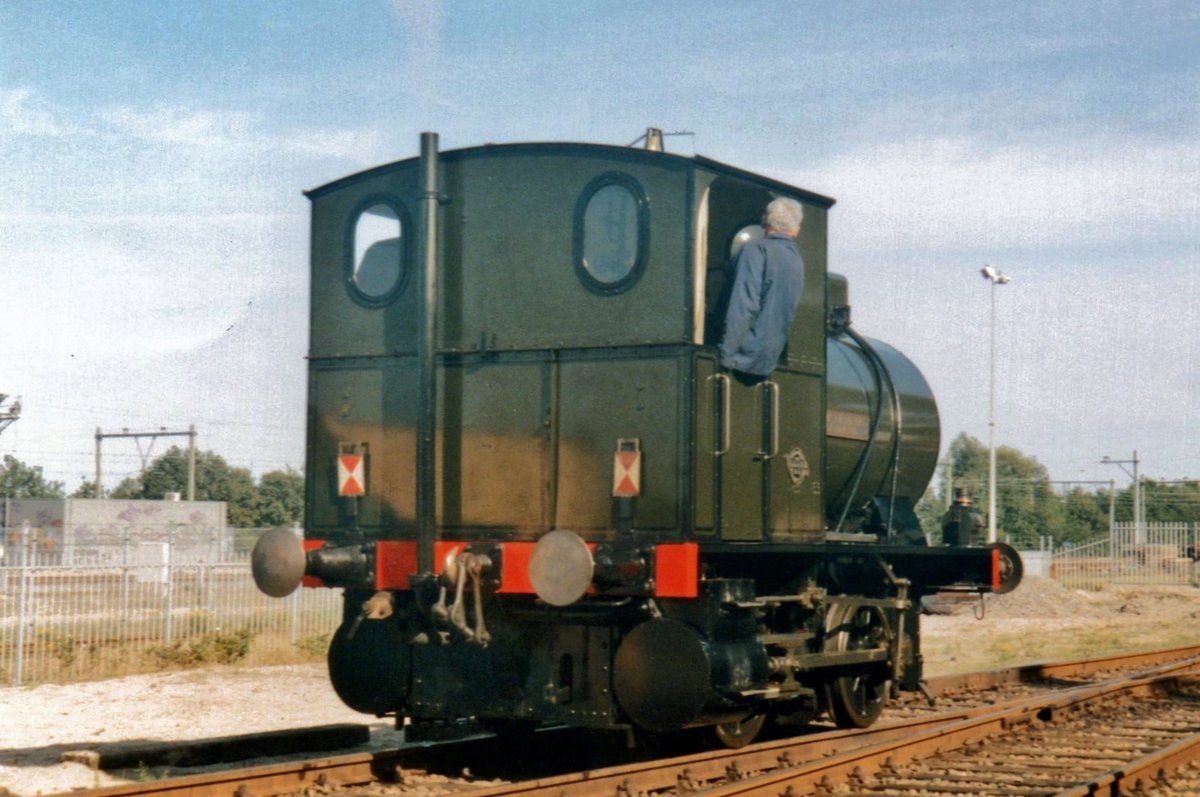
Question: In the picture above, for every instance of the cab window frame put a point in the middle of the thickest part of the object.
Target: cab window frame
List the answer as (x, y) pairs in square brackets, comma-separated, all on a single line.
[(350, 260), (641, 228)]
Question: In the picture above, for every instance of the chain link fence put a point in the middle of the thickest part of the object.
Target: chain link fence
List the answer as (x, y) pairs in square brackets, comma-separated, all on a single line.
[(133, 605), (1134, 553)]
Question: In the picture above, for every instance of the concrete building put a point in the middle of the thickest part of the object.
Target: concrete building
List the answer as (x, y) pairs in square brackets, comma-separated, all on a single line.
[(88, 531)]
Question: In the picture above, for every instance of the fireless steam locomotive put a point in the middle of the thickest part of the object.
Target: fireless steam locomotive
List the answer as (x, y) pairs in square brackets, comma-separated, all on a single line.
[(544, 499)]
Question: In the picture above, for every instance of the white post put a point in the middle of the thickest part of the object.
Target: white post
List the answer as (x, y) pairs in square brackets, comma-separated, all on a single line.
[(22, 608), (992, 427), (995, 278)]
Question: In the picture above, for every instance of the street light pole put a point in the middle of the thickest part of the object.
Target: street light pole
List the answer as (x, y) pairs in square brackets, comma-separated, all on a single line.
[(995, 278)]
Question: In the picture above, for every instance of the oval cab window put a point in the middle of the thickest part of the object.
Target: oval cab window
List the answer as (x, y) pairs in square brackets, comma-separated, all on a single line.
[(611, 231), (378, 266)]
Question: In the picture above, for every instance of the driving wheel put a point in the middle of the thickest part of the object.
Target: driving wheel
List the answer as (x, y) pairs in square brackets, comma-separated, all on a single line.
[(856, 693), (740, 733)]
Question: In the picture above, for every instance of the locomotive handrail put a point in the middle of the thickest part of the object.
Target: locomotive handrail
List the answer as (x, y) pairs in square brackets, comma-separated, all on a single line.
[(726, 431), (772, 448), (773, 389)]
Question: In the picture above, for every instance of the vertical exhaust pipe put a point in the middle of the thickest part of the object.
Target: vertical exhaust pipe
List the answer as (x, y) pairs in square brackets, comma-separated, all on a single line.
[(427, 357)]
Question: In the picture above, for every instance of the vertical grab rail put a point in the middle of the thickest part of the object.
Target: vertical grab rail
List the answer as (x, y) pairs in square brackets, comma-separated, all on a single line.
[(726, 383), (771, 389)]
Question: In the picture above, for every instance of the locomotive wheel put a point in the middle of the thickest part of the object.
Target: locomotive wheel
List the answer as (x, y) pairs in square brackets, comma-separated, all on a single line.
[(857, 695), (370, 665), (740, 733)]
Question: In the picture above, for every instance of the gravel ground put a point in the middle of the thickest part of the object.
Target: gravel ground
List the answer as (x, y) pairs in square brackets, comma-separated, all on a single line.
[(39, 723), (1041, 620)]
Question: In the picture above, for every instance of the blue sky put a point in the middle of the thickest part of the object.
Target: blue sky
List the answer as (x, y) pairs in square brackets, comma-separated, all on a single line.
[(153, 237)]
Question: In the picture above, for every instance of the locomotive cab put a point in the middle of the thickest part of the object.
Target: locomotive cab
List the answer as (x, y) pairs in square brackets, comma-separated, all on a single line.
[(612, 532), (579, 290)]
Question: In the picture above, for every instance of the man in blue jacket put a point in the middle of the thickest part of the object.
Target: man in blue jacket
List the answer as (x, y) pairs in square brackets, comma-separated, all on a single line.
[(768, 279)]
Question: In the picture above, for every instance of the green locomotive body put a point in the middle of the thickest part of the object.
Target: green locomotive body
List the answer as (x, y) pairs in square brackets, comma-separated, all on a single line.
[(546, 501)]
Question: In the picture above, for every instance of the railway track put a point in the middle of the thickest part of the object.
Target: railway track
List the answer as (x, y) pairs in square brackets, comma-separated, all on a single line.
[(1022, 731)]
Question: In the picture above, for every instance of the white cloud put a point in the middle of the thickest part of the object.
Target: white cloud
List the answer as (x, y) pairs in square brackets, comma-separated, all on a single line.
[(111, 298), (240, 134), (149, 231), (184, 126), (21, 114), (358, 146)]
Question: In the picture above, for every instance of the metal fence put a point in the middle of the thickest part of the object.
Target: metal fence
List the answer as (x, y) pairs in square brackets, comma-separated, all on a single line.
[(138, 605), (1146, 553)]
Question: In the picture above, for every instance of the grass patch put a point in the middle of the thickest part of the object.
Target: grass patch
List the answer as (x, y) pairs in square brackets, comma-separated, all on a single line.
[(1008, 648), (316, 645), (1110, 622), (218, 647), (275, 649), (60, 646), (66, 661)]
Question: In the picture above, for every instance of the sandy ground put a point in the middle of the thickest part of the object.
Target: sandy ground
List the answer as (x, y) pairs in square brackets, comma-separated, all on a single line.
[(1040, 621), (1043, 621), (37, 724)]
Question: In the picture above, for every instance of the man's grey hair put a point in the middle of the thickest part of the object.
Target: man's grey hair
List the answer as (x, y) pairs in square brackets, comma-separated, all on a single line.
[(785, 215)]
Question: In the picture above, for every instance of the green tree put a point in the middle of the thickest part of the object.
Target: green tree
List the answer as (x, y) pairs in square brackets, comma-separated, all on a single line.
[(1085, 515), (216, 480), (929, 510), (128, 488), (86, 489), (1169, 502), (277, 500), (281, 498), (18, 480), (1026, 504)]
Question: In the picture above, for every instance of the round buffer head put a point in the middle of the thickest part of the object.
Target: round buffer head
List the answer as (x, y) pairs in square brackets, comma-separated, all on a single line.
[(278, 562), (560, 568), (1012, 569)]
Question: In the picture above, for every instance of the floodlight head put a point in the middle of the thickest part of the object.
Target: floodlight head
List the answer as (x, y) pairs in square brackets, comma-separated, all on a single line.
[(1003, 279), (988, 272)]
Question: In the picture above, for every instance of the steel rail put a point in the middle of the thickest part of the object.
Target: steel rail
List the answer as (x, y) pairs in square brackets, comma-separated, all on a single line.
[(1137, 774), (781, 760), (854, 765), (1031, 673), (273, 779)]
